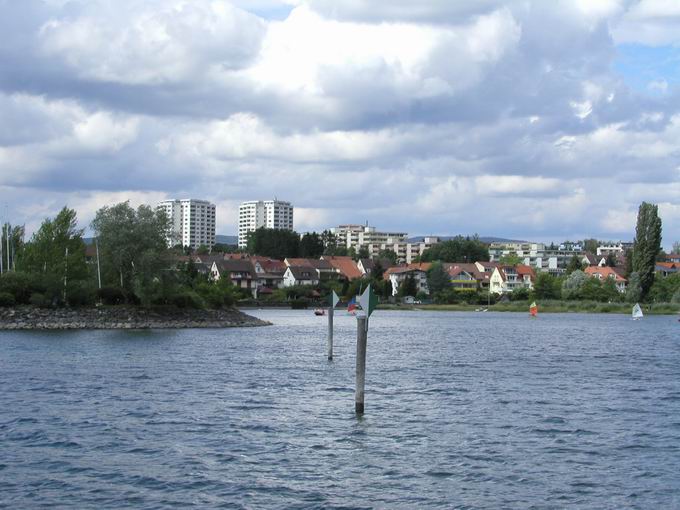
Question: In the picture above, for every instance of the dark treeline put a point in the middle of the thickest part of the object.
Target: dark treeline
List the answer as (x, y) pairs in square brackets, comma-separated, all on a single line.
[(134, 265)]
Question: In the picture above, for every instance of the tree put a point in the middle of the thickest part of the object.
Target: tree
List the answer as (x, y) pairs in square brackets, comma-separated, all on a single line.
[(571, 287), (132, 246), (647, 245), (311, 246), (575, 264), (363, 252), (546, 286), (274, 243), (634, 289), (590, 245), (330, 242), (437, 278), (408, 287), (390, 255), (203, 250), (611, 260), (511, 259), (676, 247), (459, 249), (12, 244)]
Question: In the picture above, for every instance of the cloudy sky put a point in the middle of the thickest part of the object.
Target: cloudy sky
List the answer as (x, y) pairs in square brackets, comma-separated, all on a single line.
[(524, 119)]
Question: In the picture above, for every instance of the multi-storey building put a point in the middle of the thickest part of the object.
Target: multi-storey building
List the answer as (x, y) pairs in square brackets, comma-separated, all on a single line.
[(359, 236), (548, 259), (263, 213), (192, 222)]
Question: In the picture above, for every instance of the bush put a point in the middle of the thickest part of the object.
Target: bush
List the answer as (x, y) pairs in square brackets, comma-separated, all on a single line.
[(111, 295), (187, 299), (80, 295), (7, 299), (39, 299), (299, 304)]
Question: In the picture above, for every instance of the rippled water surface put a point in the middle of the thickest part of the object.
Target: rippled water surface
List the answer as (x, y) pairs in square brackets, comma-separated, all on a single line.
[(466, 410)]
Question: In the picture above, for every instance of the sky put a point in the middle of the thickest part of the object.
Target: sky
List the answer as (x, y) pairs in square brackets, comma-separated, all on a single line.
[(522, 119)]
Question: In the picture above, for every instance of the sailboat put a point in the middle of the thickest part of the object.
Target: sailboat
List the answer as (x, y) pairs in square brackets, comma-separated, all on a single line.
[(533, 309), (637, 312)]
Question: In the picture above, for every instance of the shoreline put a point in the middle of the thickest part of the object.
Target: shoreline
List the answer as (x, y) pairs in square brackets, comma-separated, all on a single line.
[(122, 317), (589, 308)]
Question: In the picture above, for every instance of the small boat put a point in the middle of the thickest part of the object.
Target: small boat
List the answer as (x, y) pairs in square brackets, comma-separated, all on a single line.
[(319, 311), (533, 309), (637, 312)]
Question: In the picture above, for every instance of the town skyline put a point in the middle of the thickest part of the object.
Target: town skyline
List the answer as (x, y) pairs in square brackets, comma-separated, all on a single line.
[(441, 119)]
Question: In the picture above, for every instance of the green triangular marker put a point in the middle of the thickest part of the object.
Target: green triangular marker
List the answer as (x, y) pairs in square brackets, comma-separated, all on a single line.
[(333, 299), (368, 301)]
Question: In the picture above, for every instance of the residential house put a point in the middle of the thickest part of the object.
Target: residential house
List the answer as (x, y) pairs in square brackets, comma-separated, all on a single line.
[(467, 276), (607, 272), (665, 269), (300, 275), (346, 267), (269, 273), (396, 275), (505, 279), (240, 272), (673, 257)]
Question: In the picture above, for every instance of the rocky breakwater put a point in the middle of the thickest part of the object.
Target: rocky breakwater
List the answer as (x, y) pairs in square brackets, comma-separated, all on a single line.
[(28, 317)]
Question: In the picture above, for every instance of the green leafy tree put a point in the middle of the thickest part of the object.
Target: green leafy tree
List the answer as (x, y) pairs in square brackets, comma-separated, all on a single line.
[(132, 247), (459, 249), (634, 289), (511, 259), (311, 246), (362, 253), (408, 287), (11, 245), (575, 264), (647, 245), (611, 260), (437, 278), (676, 247), (390, 255), (590, 245), (571, 287), (203, 250), (273, 242), (56, 253), (546, 286)]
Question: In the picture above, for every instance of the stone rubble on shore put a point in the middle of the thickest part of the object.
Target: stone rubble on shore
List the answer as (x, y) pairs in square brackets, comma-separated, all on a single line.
[(118, 317)]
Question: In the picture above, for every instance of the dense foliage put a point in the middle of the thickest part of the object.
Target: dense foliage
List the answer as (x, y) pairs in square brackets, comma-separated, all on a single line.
[(459, 249), (647, 245), (273, 242)]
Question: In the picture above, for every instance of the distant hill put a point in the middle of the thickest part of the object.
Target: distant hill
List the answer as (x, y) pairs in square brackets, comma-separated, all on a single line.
[(484, 239)]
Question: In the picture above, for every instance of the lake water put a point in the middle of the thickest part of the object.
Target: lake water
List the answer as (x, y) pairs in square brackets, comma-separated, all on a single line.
[(463, 410)]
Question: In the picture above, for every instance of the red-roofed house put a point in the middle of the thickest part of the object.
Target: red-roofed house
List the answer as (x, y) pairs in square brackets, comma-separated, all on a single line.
[(607, 272), (396, 275), (344, 266)]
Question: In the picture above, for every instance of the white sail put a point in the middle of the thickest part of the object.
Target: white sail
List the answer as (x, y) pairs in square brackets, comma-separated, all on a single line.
[(637, 311)]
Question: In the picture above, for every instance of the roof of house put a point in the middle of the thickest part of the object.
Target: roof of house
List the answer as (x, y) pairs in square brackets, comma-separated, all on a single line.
[(303, 272), (320, 264), (420, 266), (668, 265), (591, 258), (345, 266), (604, 272), (455, 268), (236, 266), (524, 270)]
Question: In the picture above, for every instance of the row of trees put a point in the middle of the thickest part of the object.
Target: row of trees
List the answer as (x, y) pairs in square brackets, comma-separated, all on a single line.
[(133, 264)]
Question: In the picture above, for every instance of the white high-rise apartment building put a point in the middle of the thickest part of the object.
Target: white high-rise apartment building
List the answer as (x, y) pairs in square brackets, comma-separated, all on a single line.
[(192, 222), (263, 213)]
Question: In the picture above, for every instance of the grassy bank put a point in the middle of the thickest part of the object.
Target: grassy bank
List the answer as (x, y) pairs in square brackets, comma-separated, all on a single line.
[(548, 307)]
